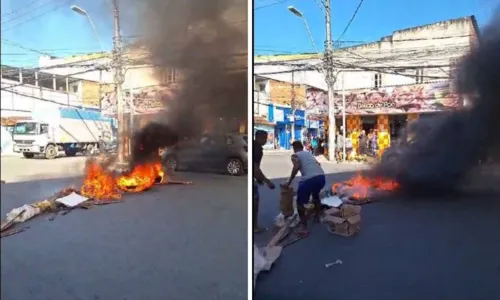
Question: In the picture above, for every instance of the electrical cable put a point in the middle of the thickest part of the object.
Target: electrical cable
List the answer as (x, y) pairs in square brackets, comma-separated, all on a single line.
[(21, 8), (349, 23), (271, 4), (37, 16)]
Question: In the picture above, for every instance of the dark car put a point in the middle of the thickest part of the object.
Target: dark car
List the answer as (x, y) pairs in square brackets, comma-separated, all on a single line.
[(222, 152)]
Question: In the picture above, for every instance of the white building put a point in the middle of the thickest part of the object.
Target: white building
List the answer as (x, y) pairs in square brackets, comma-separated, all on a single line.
[(409, 56)]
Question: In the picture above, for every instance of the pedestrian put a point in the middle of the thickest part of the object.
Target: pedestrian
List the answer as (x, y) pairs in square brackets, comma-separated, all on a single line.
[(374, 143), (311, 183), (362, 143), (339, 146), (314, 146), (348, 145), (258, 177)]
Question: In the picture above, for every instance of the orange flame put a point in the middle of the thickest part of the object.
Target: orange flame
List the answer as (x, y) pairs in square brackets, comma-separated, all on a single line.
[(358, 187), (100, 185)]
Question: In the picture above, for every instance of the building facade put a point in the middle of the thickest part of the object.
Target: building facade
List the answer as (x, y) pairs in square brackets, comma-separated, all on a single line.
[(385, 84)]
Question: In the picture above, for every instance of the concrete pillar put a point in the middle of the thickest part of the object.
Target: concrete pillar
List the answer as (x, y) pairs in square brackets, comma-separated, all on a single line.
[(36, 79), (54, 82), (384, 135)]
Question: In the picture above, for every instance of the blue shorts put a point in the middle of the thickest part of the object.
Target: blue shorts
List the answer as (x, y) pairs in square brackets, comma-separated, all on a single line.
[(310, 187)]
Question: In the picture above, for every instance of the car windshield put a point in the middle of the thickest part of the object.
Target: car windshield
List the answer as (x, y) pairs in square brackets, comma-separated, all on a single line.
[(25, 128)]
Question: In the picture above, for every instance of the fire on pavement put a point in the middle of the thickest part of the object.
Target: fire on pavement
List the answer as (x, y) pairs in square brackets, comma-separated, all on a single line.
[(361, 188)]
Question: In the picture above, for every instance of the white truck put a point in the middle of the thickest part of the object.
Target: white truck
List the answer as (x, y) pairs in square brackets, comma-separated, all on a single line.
[(68, 130)]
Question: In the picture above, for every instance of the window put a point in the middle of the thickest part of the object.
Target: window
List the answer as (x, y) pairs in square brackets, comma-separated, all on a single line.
[(262, 87), (44, 128), (74, 89), (378, 80), (419, 75)]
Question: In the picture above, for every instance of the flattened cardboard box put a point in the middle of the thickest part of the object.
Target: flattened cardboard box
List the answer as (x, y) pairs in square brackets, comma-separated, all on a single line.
[(347, 222)]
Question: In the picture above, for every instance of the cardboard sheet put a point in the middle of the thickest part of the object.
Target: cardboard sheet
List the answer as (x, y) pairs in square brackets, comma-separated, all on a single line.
[(72, 200)]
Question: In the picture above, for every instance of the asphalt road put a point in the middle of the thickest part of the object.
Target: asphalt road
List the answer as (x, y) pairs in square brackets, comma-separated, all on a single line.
[(172, 242), (407, 249)]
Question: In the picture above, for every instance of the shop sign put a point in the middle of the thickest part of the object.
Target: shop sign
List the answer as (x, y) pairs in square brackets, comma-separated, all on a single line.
[(432, 97)]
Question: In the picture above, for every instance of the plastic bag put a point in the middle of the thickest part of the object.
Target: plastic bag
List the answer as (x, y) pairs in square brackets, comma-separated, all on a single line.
[(29, 212)]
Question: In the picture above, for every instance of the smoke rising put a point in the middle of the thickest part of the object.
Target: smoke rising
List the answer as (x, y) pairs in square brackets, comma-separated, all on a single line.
[(206, 42), (446, 149)]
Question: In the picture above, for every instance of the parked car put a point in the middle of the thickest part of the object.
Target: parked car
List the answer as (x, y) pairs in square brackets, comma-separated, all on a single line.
[(223, 152)]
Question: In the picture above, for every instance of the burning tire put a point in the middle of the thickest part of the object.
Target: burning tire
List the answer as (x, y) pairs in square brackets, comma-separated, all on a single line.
[(234, 167), (51, 152), (28, 155)]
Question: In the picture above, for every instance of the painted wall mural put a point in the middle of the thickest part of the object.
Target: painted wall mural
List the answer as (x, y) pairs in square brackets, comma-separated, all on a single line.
[(420, 98), (144, 101), (316, 103)]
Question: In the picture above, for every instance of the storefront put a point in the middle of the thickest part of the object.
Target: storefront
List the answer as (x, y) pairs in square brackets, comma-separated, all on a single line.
[(285, 121), (387, 111), (261, 123)]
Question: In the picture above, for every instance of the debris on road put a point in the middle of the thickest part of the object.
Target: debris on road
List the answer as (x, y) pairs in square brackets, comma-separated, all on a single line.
[(13, 231), (72, 200), (337, 262), (345, 221), (264, 258)]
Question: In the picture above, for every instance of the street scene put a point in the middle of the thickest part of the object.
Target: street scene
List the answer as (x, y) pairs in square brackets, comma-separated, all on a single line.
[(375, 153), (124, 150), (165, 241)]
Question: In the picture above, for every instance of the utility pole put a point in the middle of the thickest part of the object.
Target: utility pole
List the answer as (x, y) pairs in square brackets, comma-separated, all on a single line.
[(293, 104), (330, 81), (118, 79)]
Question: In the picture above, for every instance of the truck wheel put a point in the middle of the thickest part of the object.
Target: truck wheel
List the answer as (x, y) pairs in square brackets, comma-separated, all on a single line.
[(28, 155), (50, 152)]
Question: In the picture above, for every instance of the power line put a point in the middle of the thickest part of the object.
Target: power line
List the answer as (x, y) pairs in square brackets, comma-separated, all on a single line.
[(21, 8), (22, 47), (272, 4), (37, 16), (350, 21)]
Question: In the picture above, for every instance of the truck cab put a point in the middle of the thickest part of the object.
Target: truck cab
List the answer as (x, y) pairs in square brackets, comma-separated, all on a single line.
[(32, 137)]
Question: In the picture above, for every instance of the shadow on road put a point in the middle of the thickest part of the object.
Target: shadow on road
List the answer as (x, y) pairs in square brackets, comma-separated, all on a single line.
[(407, 249)]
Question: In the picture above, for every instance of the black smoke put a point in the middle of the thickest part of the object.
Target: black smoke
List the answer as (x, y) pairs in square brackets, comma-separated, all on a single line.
[(206, 41), (448, 148)]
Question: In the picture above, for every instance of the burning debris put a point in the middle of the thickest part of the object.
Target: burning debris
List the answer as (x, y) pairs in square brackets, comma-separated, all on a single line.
[(362, 189)]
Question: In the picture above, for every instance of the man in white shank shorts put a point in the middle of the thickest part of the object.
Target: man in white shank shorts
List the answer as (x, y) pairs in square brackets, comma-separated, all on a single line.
[(312, 182)]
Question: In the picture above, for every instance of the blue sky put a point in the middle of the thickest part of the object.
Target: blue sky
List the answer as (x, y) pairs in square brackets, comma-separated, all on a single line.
[(52, 27), (276, 30)]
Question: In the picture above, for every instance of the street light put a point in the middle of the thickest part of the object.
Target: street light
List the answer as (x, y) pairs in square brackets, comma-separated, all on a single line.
[(328, 70), (295, 11), (300, 15), (82, 12)]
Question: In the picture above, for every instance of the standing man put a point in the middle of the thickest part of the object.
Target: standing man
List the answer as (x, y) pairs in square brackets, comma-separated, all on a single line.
[(258, 177), (312, 182)]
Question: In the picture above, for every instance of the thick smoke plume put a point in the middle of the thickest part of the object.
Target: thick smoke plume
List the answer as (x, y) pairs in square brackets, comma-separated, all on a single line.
[(445, 150), (206, 42)]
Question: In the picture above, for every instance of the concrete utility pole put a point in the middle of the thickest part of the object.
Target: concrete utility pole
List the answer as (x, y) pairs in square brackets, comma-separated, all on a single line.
[(330, 81), (293, 104), (118, 79)]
